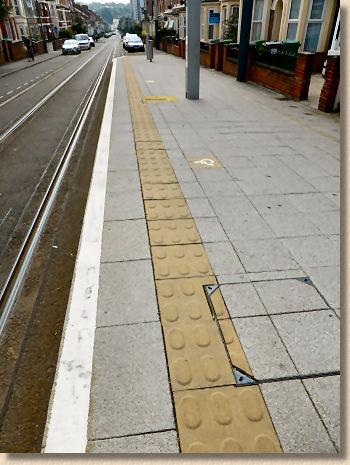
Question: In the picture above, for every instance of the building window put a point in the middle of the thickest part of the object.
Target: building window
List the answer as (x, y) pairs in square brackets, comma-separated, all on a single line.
[(224, 25), (257, 19), (16, 8), (202, 23), (210, 26), (293, 20), (314, 25), (234, 22)]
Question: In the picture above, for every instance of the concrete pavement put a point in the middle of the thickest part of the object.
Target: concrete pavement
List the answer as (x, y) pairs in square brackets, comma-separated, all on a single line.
[(260, 218)]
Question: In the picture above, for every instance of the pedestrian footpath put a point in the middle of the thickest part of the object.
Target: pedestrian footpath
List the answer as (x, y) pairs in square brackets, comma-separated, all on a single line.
[(18, 65), (216, 288)]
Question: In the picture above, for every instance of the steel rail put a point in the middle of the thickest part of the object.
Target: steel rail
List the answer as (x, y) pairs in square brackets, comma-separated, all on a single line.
[(36, 107), (15, 278)]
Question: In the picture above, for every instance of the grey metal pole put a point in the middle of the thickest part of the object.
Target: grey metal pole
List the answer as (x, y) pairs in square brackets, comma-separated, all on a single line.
[(156, 23), (244, 39), (193, 10)]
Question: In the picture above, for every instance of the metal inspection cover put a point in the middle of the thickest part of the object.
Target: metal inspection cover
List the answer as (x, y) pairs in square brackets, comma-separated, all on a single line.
[(209, 162), (172, 232), (180, 261), (234, 348), (170, 209), (196, 356), (224, 420), (160, 98), (161, 191)]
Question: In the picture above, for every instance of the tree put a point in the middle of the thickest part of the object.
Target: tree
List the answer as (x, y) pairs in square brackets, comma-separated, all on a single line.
[(231, 26), (4, 10), (106, 14), (78, 26), (65, 34)]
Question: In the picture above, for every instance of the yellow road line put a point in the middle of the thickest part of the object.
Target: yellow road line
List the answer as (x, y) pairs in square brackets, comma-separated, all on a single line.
[(213, 414)]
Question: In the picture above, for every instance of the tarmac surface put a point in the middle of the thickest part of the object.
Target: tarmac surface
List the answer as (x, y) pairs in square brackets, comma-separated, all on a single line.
[(209, 260)]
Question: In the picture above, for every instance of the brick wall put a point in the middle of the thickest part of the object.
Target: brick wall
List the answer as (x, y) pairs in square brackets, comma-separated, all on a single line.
[(204, 58), (228, 66), (57, 44), (318, 61), (331, 84), (18, 51)]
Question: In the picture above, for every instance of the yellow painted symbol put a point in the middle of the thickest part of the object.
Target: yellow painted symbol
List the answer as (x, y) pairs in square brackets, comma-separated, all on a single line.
[(206, 161)]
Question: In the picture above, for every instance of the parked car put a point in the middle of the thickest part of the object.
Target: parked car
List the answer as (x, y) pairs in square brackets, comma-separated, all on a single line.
[(126, 37), (134, 44), (92, 43), (83, 41), (70, 46)]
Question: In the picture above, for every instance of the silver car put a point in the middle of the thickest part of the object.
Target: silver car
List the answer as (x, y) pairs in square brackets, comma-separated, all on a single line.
[(83, 41), (70, 46)]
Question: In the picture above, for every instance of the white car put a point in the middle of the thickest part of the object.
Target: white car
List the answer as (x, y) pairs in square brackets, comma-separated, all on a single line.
[(70, 46), (83, 41), (134, 44), (126, 37)]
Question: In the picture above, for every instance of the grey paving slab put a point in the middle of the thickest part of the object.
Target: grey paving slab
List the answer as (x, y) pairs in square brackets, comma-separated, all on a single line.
[(264, 255), (292, 183), (290, 295), (273, 204), (242, 300), (311, 202), (185, 175), (221, 189), (191, 189), (123, 181), (225, 207), (175, 154), (325, 183), (126, 293), (124, 206), (334, 197), (153, 443), (259, 276), (130, 390), (211, 174), (327, 281), (210, 230), (223, 258), (200, 208), (235, 162), (263, 347), (315, 334), (125, 161), (292, 225), (325, 394), (328, 223), (295, 419), (124, 240), (250, 226), (257, 185), (313, 250)]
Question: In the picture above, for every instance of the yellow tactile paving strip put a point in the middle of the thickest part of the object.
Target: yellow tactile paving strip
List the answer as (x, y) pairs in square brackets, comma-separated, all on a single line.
[(166, 232), (169, 209), (213, 414)]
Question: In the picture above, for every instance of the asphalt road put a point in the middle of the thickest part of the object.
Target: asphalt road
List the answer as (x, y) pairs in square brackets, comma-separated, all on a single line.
[(30, 343)]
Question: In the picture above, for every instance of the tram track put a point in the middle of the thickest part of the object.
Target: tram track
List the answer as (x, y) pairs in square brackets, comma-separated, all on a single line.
[(36, 291), (10, 290)]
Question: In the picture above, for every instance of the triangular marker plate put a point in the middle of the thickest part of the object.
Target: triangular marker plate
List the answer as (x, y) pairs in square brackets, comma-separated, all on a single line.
[(242, 379), (210, 289)]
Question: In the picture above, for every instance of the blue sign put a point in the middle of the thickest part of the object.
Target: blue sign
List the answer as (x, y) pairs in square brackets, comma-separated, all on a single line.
[(214, 18)]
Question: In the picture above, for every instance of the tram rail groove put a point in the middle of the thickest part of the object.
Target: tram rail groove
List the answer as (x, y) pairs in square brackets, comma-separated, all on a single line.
[(14, 280), (36, 107)]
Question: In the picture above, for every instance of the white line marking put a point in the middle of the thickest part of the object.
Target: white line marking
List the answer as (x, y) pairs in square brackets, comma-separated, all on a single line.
[(26, 83), (10, 92), (20, 87), (1, 96), (37, 77), (66, 428)]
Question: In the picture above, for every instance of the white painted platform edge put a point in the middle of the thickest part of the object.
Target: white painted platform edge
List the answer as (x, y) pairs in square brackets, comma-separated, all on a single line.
[(67, 420)]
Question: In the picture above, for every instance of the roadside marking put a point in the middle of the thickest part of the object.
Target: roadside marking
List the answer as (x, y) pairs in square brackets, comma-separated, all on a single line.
[(160, 98), (20, 87), (211, 162), (66, 429), (10, 92), (25, 83), (202, 348)]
